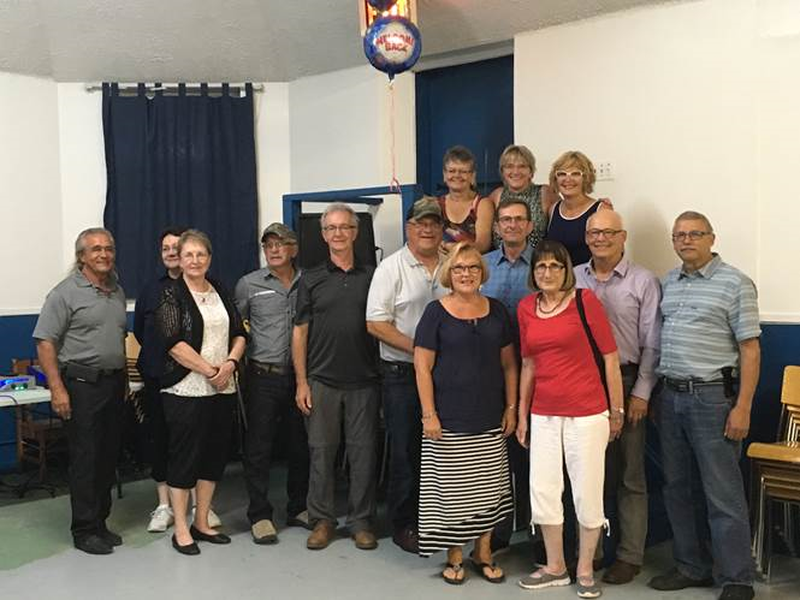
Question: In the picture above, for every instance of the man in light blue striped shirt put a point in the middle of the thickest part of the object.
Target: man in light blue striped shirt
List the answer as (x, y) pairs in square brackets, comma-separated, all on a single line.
[(710, 358)]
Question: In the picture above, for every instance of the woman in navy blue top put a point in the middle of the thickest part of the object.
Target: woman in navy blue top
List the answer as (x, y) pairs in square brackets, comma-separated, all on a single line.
[(573, 177), (467, 381)]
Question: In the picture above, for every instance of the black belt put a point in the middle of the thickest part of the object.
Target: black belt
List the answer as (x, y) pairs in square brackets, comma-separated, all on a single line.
[(688, 385), (399, 367), (272, 368), (88, 374)]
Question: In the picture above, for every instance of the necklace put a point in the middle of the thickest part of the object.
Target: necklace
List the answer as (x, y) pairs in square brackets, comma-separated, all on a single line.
[(552, 310)]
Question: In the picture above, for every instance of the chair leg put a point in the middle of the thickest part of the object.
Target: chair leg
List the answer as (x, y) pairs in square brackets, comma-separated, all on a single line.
[(768, 541), (758, 529)]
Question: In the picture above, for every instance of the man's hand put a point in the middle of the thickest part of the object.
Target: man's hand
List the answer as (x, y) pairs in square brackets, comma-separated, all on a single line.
[(738, 424), (59, 400), (303, 398), (637, 409)]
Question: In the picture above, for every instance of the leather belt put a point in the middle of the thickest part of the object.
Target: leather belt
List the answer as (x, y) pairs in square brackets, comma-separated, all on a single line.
[(687, 385), (272, 368), (629, 370), (399, 367)]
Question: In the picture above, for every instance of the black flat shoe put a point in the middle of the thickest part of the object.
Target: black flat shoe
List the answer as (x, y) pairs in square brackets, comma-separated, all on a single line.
[(216, 538), (188, 550)]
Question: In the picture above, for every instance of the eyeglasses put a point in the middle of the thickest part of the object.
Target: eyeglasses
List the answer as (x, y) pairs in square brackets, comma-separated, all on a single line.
[(553, 268), (606, 233), (277, 244), (691, 235), (452, 171), (462, 269), (512, 220), (338, 228), (426, 224), (573, 174)]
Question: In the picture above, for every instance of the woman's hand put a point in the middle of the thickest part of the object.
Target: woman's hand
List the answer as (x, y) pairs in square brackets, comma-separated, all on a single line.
[(615, 421), (509, 422), (522, 432), (223, 375), (431, 427)]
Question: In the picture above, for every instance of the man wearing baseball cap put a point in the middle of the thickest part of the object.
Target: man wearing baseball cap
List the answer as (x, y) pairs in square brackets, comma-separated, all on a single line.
[(266, 299), (403, 285)]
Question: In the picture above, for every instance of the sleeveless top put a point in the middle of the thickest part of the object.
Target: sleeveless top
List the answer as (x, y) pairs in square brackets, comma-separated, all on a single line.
[(532, 196), (459, 232), (572, 232)]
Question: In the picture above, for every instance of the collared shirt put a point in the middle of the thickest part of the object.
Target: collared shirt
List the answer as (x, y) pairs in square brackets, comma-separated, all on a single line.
[(400, 290), (508, 281), (151, 357), (631, 299), (269, 307), (707, 314), (86, 324), (341, 353)]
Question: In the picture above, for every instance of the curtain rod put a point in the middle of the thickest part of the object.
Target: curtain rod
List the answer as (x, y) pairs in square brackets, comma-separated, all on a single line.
[(169, 87)]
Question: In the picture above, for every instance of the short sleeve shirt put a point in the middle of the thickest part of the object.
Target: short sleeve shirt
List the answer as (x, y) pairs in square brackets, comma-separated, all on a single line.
[(468, 380), (566, 380), (87, 325), (707, 313), (269, 307), (333, 302), (401, 289)]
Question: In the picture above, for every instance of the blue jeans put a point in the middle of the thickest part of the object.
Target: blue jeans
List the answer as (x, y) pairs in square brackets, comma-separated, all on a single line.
[(403, 415), (700, 461)]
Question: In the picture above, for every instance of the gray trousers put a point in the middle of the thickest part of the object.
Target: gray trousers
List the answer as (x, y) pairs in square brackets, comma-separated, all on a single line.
[(631, 488), (359, 410)]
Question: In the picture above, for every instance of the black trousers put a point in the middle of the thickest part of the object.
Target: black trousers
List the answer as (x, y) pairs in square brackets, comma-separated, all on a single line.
[(270, 405), (93, 434)]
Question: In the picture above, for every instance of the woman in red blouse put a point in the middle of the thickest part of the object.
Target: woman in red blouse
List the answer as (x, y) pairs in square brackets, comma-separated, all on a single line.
[(572, 417)]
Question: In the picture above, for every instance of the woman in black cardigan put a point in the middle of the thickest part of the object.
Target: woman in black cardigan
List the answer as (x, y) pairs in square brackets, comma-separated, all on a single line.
[(205, 339)]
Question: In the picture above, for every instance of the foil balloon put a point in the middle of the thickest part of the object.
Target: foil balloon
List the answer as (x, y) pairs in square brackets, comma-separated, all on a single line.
[(392, 45), (382, 5)]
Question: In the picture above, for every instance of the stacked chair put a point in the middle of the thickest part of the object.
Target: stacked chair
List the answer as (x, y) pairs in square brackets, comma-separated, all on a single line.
[(775, 476)]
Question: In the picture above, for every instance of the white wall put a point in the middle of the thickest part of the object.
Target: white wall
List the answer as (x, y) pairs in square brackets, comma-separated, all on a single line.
[(30, 207), (695, 109), (341, 139)]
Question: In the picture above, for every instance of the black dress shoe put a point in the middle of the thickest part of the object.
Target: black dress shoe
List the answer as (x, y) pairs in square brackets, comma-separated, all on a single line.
[(737, 591), (215, 538), (188, 550), (93, 544), (407, 539), (675, 580), (111, 538)]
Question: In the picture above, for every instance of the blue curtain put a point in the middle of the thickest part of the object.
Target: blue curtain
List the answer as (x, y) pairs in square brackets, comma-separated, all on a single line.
[(180, 160)]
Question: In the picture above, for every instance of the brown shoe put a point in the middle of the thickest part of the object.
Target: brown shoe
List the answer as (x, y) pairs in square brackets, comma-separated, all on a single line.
[(621, 572), (321, 536), (365, 540)]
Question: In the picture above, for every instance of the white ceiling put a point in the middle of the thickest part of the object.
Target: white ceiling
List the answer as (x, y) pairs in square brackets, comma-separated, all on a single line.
[(243, 40)]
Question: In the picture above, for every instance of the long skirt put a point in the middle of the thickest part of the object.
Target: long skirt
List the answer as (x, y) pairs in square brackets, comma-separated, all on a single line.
[(465, 488)]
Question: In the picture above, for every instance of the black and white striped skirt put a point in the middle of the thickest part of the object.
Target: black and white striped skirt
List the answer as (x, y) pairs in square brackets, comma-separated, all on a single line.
[(465, 488)]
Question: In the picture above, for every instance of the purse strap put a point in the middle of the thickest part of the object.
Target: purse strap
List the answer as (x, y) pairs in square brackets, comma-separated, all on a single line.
[(596, 354)]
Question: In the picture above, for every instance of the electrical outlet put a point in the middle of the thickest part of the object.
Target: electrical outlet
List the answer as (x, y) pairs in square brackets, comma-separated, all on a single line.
[(605, 172)]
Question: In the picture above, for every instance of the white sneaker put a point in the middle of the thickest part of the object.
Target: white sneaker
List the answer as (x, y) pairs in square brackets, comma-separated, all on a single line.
[(213, 519), (160, 519)]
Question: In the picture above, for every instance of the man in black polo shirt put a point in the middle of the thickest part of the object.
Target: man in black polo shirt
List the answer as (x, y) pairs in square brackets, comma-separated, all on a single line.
[(335, 361)]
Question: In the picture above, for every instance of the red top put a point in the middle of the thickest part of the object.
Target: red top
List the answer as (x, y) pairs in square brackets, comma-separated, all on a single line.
[(566, 379)]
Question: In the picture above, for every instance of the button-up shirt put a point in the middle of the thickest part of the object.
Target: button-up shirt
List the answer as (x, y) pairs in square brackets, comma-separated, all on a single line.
[(508, 281), (151, 357), (707, 313), (86, 324), (400, 290), (630, 297), (269, 308)]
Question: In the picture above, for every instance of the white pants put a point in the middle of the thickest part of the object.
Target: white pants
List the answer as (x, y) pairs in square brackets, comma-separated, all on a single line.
[(581, 443)]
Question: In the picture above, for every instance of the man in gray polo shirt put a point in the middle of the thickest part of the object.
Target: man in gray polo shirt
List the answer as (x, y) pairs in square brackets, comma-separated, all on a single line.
[(710, 358), (630, 295), (266, 299), (80, 340), (403, 285)]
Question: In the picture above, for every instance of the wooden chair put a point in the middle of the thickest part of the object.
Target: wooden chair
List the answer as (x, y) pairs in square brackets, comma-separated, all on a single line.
[(776, 474), (37, 431)]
